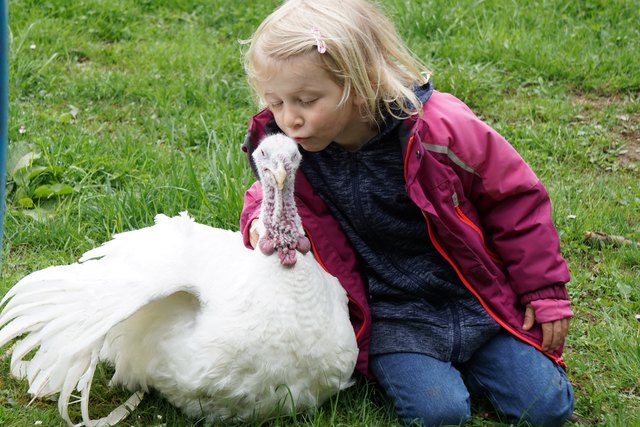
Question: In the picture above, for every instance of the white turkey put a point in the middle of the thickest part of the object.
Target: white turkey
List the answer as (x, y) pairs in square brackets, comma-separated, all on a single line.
[(221, 331)]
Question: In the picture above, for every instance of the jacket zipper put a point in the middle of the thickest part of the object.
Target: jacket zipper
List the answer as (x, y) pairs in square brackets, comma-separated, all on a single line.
[(353, 164), (457, 333), (464, 218)]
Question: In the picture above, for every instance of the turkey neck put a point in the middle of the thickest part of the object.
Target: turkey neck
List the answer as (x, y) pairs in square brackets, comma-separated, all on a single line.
[(280, 214)]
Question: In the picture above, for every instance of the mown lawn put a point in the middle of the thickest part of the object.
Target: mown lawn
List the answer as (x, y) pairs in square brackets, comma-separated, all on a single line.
[(124, 109)]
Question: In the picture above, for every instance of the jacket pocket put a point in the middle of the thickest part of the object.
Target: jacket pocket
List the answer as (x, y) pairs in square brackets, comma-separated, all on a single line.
[(466, 220)]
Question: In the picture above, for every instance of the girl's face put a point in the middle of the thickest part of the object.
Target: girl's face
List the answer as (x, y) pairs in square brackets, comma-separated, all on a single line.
[(304, 101)]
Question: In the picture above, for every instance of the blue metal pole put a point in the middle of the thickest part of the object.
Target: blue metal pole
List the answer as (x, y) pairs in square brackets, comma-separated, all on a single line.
[(4, 107)]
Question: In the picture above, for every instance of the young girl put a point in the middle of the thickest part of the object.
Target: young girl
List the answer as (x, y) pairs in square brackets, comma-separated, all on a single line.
[(436, 227)]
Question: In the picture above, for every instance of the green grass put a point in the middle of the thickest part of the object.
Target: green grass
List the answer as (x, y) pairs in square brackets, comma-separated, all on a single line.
[(124, 109)]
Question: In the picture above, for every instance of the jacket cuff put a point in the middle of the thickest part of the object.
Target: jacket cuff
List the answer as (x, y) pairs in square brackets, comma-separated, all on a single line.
[(558, 292), (549, 310)]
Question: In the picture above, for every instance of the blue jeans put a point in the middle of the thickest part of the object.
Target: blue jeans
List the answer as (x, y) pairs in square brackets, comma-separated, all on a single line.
[(521, 383)]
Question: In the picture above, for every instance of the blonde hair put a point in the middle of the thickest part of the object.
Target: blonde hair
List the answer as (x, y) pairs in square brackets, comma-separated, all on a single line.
[(364, 53)]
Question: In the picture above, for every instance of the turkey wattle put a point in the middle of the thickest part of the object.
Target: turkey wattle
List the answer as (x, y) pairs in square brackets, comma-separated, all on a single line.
[(221, 331)]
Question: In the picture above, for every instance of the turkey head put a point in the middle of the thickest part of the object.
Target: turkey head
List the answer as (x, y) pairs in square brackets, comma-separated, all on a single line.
[(277, 160)]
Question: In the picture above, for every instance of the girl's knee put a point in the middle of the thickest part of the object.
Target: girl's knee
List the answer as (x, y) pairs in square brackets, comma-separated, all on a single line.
[(551, 412), (431, 409), (553, 408), (424, 390)]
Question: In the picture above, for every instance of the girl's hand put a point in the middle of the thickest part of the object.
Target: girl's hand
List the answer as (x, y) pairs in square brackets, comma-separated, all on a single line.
[(553, 333), (254, 236)]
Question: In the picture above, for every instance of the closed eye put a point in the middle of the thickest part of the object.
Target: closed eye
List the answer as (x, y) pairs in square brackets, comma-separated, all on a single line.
[(306, 102)]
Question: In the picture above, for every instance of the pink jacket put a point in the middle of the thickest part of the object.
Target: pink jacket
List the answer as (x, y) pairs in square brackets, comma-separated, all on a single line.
[(487, 214)]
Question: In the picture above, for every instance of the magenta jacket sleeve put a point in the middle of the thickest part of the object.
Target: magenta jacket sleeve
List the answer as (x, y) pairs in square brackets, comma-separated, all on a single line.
[(515, 210), (521, 231), (250, 210), (507, 200)]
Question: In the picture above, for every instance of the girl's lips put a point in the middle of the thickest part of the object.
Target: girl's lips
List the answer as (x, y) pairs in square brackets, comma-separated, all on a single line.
[(301, 139)]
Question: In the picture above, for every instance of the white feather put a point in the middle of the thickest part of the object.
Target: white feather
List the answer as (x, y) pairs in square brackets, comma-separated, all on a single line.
[(221, 331)]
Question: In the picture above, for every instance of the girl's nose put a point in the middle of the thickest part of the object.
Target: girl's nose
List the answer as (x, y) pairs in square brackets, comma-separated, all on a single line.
[(292, 119)]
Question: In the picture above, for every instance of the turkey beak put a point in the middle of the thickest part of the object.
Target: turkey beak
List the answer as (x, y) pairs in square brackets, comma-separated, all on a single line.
[(280, 175)]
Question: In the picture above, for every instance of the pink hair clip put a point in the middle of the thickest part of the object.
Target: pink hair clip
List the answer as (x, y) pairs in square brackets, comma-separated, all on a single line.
[(322, 46)]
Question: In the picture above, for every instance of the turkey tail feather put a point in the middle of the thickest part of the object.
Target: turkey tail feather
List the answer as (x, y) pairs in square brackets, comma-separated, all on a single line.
[(65, 313)]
